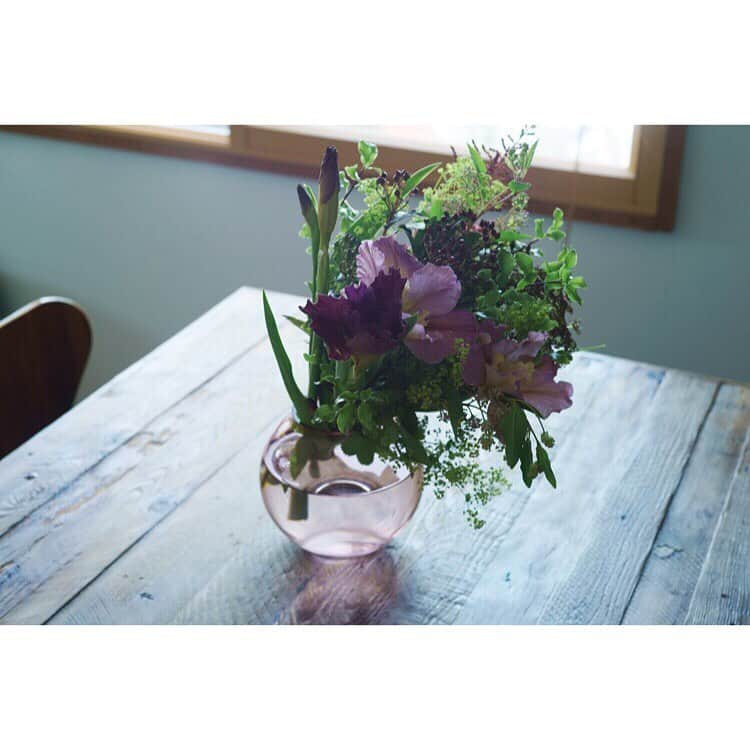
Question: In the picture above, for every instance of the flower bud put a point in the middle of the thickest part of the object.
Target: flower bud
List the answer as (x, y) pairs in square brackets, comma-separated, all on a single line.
[(328, 195), (309, 213)]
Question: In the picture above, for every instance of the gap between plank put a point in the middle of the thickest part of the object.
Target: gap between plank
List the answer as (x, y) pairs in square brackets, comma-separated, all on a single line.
[(718, 525), (647, 557), (127, 549)]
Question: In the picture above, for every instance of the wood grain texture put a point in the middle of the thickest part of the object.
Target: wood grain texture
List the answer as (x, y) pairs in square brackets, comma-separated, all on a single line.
[(722, 595), (154, 514), (72, 445), (600, 586), (544, 544), (430, 568), (52, 554), (669, 578)]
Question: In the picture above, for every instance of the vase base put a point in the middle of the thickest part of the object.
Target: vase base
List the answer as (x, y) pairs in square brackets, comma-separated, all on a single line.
[(342, 543)]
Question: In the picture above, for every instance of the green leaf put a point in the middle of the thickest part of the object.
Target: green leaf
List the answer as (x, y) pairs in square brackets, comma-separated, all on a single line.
[(413, 445), (525, 263), (485, 275), (514, 428), (301, 405), (416, 179), (518, 187), (345, 418), (325, 413), (436, 208), (360, 446), (542, 458), (539, 228), (526, 461), (303, 325), (366, 416), (477, 159), (351, 173), (409, 419), (368, 152)]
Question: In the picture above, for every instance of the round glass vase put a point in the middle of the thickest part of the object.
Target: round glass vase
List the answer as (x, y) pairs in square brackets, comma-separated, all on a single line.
[(328, 502)]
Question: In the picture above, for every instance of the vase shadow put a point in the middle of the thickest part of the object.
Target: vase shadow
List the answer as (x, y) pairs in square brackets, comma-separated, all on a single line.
[(344, 592)]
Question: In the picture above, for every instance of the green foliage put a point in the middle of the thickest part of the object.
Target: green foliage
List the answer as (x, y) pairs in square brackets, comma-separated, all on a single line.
[(474, 220), (302, 406), (368, 152), (462, 186)]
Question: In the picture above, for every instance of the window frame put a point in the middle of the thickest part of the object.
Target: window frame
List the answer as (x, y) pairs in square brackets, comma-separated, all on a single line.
[(645, 196)]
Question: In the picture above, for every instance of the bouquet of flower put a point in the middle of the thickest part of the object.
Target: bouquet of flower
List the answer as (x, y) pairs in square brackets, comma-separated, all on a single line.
[(437, 326)]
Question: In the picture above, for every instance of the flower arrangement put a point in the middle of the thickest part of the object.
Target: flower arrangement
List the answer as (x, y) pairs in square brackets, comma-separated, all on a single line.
[(437, 326)]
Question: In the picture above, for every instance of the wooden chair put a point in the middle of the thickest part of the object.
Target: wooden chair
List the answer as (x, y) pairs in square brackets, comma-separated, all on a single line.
[(43, 351)]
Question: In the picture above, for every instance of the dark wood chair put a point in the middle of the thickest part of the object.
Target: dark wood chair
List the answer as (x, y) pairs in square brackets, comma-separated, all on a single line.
[(43, 351)]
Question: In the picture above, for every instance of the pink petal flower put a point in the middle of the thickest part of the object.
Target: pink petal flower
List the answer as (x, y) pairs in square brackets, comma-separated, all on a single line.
[(380, 255), (543, 393), (474, 372), (431, 290)]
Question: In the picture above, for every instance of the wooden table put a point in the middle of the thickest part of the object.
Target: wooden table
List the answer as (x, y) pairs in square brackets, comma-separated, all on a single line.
[(142, 505)]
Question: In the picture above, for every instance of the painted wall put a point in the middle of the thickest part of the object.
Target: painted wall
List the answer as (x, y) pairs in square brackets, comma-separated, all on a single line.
[(148, 243)]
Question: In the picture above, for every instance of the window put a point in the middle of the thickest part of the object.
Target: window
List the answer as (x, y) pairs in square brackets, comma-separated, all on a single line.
[(625, 174)]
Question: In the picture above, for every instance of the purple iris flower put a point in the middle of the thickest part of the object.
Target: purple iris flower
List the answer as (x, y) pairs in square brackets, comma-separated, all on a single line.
[(510, 366), (365, 322), (431, 293)]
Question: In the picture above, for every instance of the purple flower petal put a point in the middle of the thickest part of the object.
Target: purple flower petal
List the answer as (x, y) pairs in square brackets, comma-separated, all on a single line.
[(382, 254), (365, 322), (543, 393), (432, 290), (476, 359), (434, 341)]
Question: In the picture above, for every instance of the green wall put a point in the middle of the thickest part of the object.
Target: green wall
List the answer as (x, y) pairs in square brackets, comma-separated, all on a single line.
[(148, 243)]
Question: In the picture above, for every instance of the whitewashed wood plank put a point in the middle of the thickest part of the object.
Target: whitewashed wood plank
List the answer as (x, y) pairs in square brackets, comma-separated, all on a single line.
[(55, 552), (427, 569), (155, 577), (664, 591), (605, 575), (722, 595), (544, 543), (106, 420)]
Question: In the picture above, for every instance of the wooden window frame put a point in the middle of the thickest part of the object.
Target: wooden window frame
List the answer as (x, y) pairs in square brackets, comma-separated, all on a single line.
[(644, 196)]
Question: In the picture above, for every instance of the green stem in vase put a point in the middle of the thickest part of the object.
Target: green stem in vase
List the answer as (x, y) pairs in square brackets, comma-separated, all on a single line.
[(298, 507)]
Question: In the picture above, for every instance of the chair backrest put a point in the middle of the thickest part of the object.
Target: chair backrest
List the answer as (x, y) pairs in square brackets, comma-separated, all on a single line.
[(43, 351)]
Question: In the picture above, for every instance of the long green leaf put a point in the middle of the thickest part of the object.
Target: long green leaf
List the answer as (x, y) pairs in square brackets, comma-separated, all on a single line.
[(476, 157), (514, 428), (301, 405), (419, 176)]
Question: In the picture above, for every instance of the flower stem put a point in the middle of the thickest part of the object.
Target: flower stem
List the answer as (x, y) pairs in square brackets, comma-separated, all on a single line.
[(316, 345)]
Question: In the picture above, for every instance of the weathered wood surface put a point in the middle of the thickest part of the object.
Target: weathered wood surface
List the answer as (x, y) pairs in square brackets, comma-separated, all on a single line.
[(677, 556), (145, 506)]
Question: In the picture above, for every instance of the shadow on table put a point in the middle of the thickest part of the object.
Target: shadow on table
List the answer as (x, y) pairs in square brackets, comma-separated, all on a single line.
[(343, 592)]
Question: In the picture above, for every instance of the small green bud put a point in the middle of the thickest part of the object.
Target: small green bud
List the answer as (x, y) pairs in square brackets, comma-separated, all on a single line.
[(309, 211), (548, 440)]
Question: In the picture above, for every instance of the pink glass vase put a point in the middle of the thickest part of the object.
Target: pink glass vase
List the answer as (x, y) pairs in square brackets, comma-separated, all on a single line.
[(328, 502)]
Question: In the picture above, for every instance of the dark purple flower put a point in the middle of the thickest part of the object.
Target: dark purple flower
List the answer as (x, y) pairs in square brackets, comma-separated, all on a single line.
[(431, 293), (364, 322)]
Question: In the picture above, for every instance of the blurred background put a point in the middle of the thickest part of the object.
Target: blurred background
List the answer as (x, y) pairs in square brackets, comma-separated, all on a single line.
[(147, 228)]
